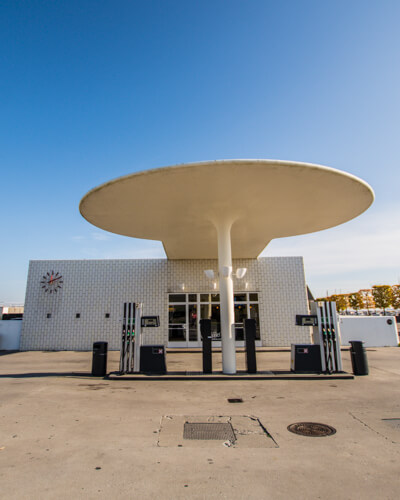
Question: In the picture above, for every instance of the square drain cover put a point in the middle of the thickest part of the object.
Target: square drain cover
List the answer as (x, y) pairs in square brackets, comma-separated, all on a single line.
[(214, 431), (205, 431)]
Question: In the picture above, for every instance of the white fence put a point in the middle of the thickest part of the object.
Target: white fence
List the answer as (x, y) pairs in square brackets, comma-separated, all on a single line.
[(10, 334), (374, 331)]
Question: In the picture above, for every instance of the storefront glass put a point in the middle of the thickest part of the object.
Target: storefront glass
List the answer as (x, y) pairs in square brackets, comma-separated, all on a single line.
[(186, 311)]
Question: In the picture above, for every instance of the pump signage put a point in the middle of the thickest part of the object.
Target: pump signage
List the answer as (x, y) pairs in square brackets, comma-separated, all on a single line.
[(150, 321), (306, 320)]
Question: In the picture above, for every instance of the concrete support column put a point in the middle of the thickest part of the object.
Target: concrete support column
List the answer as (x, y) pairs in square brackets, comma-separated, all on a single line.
[(226, 297)]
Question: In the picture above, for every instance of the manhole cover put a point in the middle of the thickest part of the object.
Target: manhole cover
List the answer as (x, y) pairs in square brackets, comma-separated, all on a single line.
[(311, 429), (206, 431)]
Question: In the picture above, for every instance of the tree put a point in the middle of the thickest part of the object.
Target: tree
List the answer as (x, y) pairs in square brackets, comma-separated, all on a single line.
[(356, 301), (341, 301), (382, 296), (368, 298), (396, 296)]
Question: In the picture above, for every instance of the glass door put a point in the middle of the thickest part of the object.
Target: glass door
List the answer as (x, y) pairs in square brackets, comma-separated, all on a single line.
[(240, 316), (185, 310), (177, 325), (246, 306), (193, 326), (183, 321), (212, 311)]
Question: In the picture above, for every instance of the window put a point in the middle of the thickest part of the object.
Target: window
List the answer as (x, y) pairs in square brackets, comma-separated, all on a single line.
[(48, 315), (186, 310), (77, 315), (107, 315), (177, 323), (209, 297), (177, 297), (240, 297)]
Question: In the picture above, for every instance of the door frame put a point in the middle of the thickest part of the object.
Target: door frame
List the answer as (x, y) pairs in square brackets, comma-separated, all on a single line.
[(198, 344)]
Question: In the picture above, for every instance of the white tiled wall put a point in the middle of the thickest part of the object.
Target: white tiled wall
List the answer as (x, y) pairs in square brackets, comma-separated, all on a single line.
[(96, 287)]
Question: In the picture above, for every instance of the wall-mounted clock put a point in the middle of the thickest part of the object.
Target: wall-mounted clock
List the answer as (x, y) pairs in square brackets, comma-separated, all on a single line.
[(51, 282)]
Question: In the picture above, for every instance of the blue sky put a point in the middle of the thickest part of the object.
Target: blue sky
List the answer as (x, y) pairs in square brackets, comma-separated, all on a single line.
[(92, 90)]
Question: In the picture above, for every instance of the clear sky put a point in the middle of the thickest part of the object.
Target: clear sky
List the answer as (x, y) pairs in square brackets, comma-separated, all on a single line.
[(94, 89)]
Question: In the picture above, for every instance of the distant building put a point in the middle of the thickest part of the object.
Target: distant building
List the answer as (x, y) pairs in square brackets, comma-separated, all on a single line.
[(11, 312)]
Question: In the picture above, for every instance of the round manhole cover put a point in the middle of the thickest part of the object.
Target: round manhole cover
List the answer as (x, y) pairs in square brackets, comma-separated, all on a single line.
[(311, 429)]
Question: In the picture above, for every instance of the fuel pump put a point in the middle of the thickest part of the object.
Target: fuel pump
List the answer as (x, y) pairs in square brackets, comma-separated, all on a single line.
[(127, 338), (326, 337), (131, 340)]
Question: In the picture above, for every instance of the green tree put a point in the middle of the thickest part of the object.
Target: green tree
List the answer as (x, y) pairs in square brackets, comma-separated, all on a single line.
[(382, 296), (356, 301), (369, 303), (341, 301), (396, 296)]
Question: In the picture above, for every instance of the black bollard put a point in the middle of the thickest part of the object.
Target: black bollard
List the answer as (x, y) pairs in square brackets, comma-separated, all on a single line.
[(205, 330), (359, 359), (250, 338), (99, 360)]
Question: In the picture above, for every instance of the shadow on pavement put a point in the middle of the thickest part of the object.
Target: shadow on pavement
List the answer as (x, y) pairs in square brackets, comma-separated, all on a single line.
[(46, 374)]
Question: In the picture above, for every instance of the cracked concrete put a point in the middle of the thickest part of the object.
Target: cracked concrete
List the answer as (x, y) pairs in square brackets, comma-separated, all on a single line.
[(393, 437), (249, 432)]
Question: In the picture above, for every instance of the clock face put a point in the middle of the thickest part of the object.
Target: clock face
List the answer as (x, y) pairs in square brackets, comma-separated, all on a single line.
[(51, 282)]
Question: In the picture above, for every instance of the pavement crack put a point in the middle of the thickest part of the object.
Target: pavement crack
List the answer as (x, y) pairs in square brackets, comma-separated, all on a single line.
[(264, 429), (371, 429), (159, 432)]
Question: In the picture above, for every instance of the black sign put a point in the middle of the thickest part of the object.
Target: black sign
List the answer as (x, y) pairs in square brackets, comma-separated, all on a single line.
[(150, 321), (306, 320)]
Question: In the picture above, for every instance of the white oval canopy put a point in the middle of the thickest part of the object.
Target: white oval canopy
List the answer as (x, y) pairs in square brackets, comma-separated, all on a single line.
[(264, 199)]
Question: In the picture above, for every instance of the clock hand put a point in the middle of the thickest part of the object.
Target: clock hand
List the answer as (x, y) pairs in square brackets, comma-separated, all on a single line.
[(55, 279)]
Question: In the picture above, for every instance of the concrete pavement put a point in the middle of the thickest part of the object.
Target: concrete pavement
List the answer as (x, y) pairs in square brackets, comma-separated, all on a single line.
[(66, 435)]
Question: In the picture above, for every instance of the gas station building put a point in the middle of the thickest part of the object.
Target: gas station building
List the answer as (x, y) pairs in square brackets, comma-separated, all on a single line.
[(214, 219), (89, 304)]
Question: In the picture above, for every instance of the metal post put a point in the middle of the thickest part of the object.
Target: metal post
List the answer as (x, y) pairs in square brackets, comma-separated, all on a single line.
[(138, 340), (329, 322), (126, 337), (336, 344), (123, 334), (321, 338), (131, 309)]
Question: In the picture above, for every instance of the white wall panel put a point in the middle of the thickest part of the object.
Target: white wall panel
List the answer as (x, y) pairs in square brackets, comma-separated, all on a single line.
[(96, 287), (374, 331), (10, 334)]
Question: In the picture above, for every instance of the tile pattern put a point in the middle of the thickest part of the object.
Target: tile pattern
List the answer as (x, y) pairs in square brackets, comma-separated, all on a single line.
[(94, 288)]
